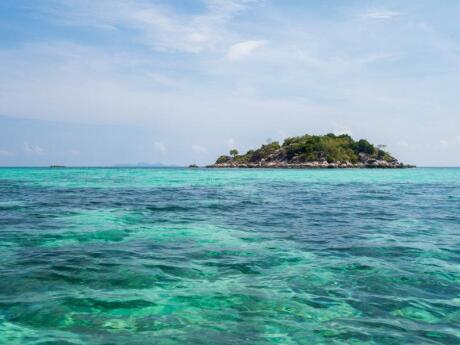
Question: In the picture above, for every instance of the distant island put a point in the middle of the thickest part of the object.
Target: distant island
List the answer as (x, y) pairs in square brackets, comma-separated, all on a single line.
[(313, 151), (143, 165)]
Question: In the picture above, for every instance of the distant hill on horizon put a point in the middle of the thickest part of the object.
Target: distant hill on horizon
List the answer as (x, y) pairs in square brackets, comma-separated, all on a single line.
[(144, 165)]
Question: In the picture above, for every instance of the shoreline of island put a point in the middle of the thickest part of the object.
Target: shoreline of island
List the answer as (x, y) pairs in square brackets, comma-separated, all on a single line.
[(313, 165)]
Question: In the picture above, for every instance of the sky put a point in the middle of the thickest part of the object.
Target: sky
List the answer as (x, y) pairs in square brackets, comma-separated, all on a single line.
[(104, 82)]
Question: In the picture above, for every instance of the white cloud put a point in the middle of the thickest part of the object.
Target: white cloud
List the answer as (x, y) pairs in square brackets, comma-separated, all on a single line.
[(157, 25), (243, 50), (199, 149), (403, 143), (381, 14), (160, 147), (450, 142), (5, 153), (230, 143), (343, 130), (32, 149), (444, 142)]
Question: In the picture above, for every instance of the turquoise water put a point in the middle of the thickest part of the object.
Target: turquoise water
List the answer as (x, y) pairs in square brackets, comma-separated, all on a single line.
[(196, 256)]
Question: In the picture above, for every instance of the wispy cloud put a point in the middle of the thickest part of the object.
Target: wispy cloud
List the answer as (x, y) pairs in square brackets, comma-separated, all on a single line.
[(381, 14), (160, 147), (32, 149), (444, 142), (403, 143), (244, 49), (339, 130), (156, 25), (230, 143), (5, 153), (452, 142), (199, 149)]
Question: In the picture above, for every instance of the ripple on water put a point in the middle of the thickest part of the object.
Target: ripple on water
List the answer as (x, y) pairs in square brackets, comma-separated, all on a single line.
[(173, 256)]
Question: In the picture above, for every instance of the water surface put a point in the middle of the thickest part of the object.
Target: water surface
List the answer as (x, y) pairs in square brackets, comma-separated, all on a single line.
[(196, 256)]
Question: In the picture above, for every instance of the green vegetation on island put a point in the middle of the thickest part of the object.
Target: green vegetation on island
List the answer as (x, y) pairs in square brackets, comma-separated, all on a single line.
[(328, 150)]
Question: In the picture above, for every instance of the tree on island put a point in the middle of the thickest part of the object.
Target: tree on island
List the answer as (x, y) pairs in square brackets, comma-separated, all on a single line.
[(234, 153)]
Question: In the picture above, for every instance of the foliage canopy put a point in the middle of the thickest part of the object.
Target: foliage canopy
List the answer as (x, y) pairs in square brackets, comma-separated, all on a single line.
[(308, 148)]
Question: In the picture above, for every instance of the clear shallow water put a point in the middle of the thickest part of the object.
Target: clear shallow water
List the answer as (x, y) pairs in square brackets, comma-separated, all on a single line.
[(184, 256)]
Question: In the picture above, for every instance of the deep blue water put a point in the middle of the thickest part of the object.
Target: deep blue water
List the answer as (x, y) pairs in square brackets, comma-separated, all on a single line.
[(201, 256)]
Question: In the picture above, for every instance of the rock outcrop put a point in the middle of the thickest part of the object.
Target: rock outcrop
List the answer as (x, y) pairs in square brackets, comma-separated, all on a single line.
[(312, 165)]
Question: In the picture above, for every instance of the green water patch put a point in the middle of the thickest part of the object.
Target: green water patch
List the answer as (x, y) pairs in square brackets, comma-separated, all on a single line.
[(88, 226), (182, 256)]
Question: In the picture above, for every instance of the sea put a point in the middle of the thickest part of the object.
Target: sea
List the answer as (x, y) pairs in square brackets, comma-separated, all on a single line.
[(220, 256)]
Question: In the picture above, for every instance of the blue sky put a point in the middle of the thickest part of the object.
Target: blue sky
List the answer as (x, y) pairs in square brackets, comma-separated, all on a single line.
[(104, 82)]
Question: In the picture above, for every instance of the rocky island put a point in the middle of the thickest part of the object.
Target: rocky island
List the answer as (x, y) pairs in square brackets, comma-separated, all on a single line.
[(313, 151)]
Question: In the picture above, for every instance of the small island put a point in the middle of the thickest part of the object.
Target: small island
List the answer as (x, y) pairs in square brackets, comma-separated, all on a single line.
[(313, 151)]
